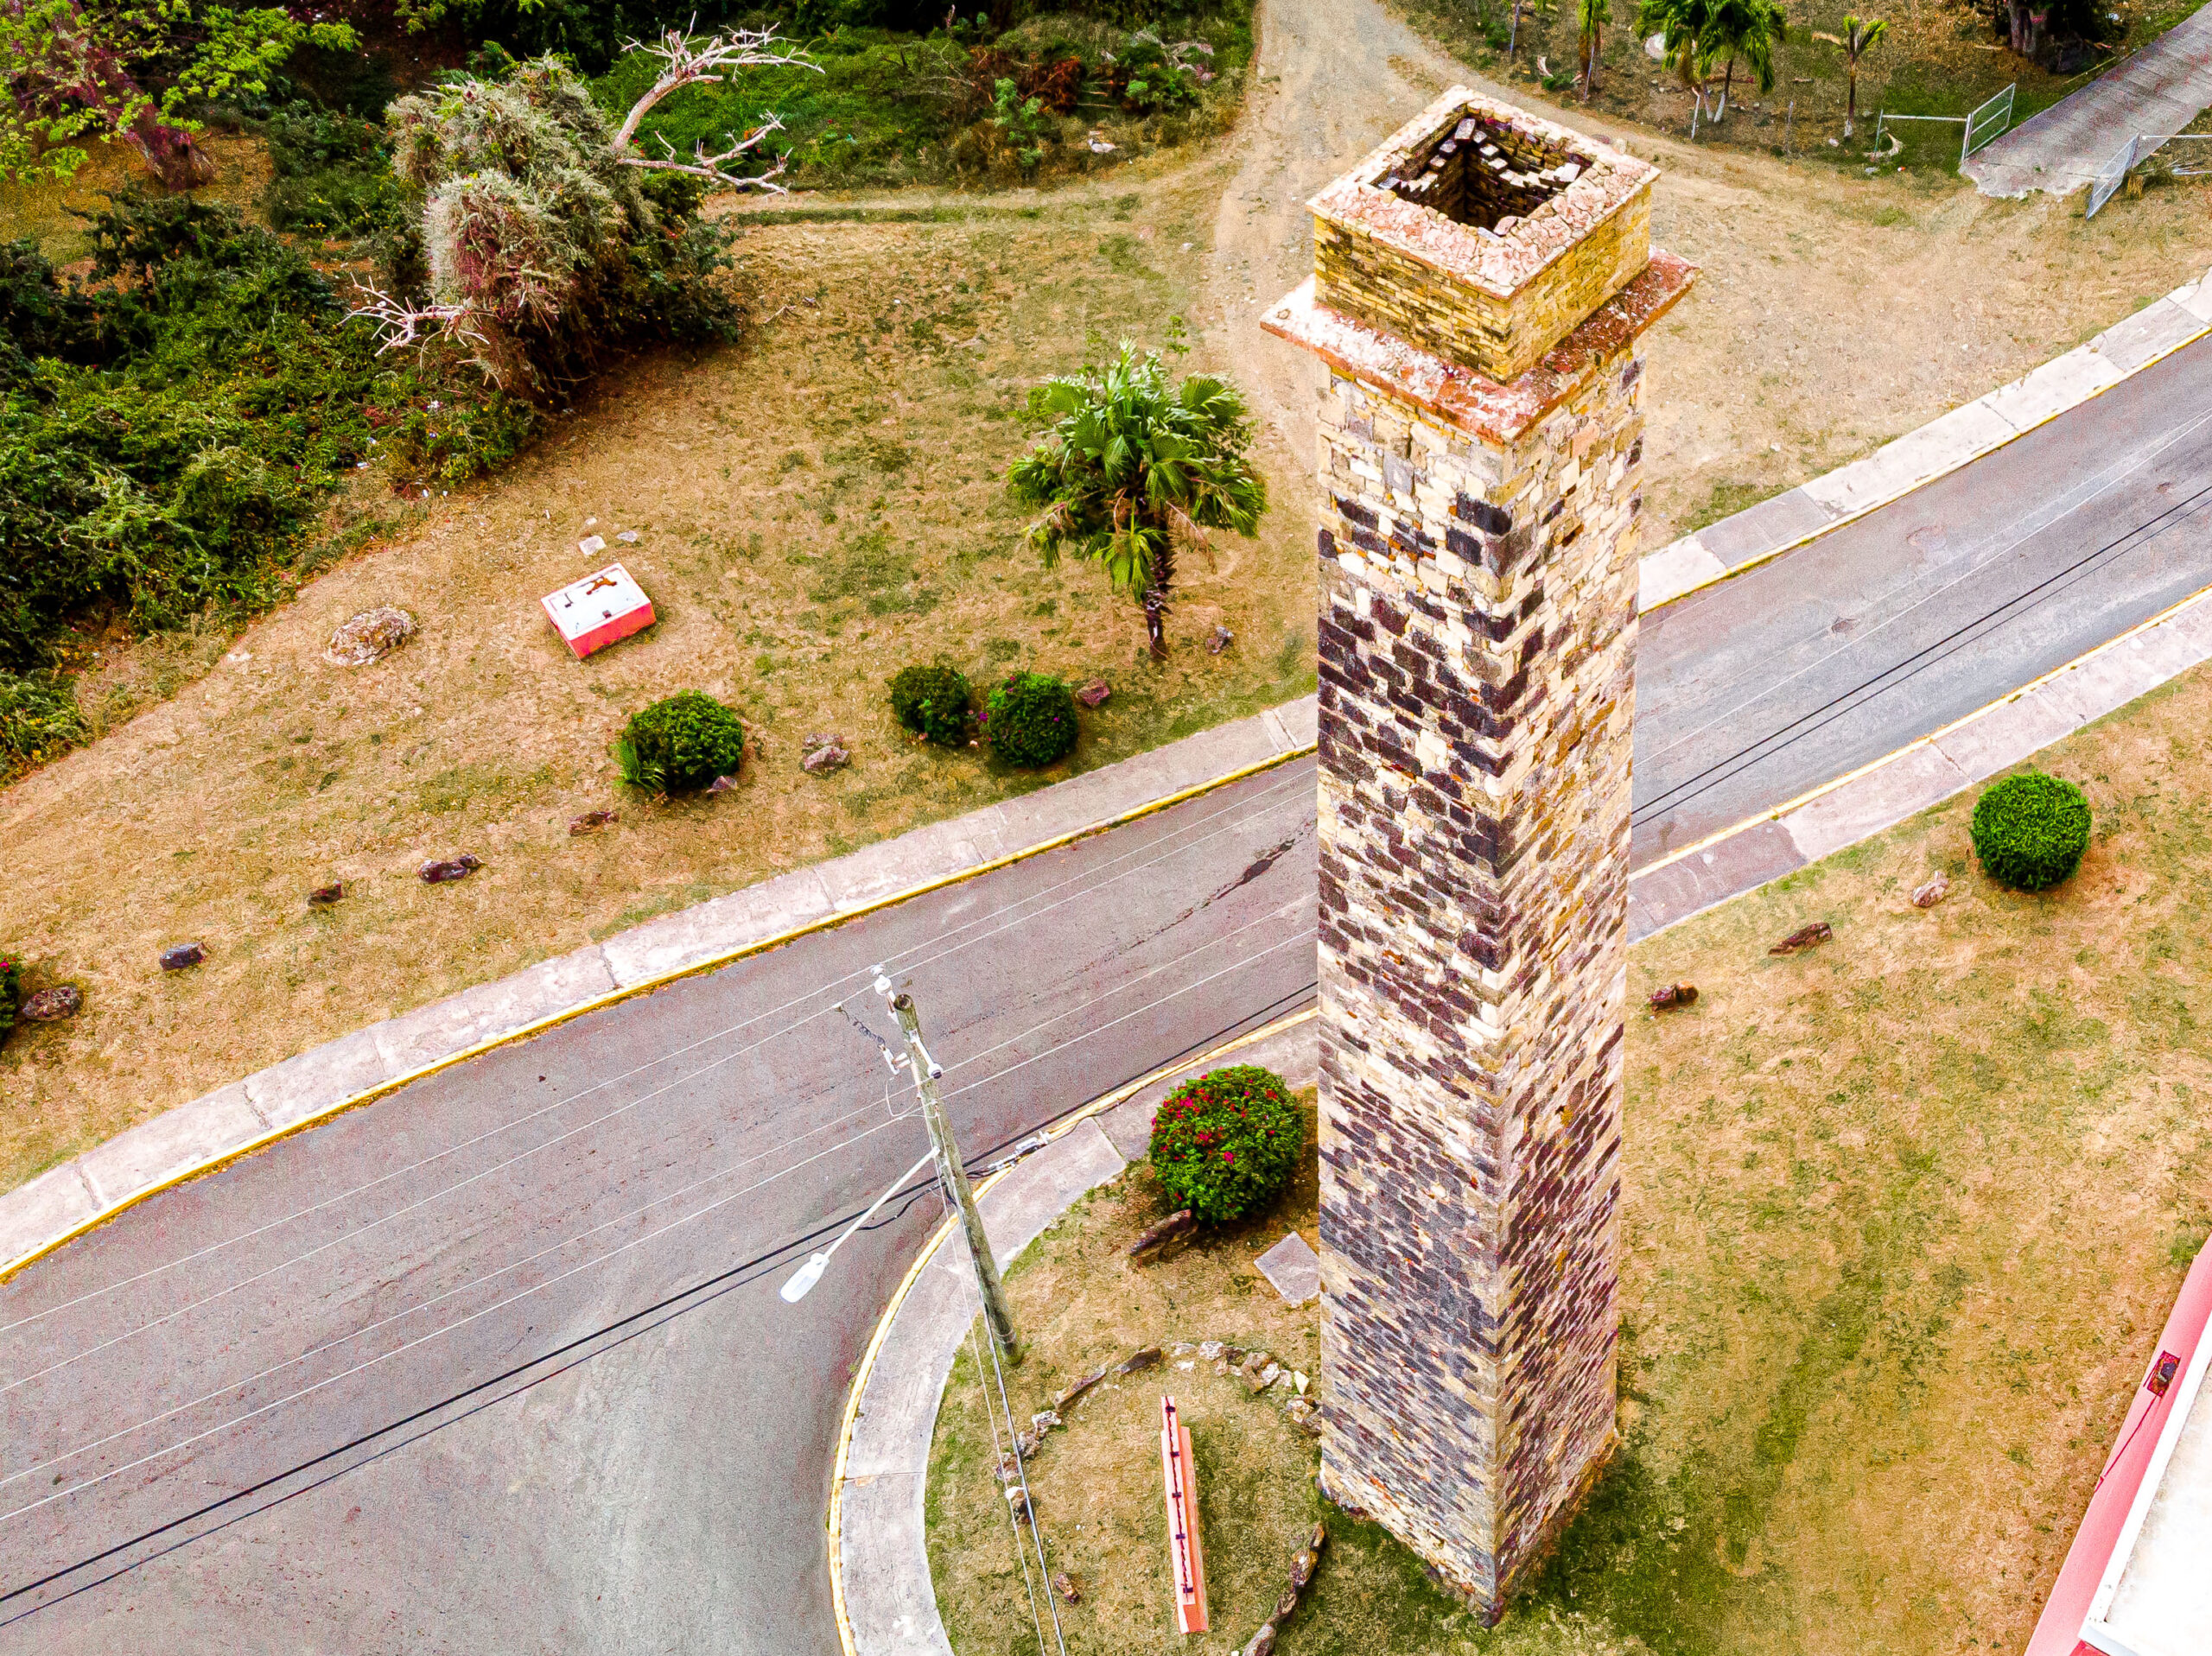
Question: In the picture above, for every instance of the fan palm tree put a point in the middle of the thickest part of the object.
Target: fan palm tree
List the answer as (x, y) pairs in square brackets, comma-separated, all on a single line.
[(1749, 29), (1590, 17), (1685, 29), (1133, 467), (1859, 34)]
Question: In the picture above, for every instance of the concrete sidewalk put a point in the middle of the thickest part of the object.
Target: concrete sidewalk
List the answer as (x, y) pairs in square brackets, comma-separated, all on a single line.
[(1942, 445), (2155, 93), (878, 1551), (355, 1069)]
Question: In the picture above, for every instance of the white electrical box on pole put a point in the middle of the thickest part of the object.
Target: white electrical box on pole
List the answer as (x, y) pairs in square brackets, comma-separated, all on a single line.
[(953, 1172)]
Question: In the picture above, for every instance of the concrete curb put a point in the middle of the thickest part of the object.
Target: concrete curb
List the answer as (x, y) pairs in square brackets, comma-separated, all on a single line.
[(1958, 439), (880, 1584), (1922, 773), (357, 1069)]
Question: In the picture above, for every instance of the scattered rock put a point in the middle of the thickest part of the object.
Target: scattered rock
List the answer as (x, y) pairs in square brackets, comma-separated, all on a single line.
[(591, 820), (1928, 896), (1040, 1424), (1803, 937), (1181, 1348), (1305, 1415), (1137, 1361), (1093, 694), (591, 544), (1674, 995), (1066, 1586), (1165, 1240), (177, 956), (1010, 1469), (1297, 1382), (323, 896), (1263, 1642), (721, 784), (1286, 1604), (1232, 1355), (1260, 1376), (1061, 1403), (1017, 1500), (435, 873), (628, 537), (370, 636), (825, 754), (1210, 1350), (1223, 637), (52, 1006)]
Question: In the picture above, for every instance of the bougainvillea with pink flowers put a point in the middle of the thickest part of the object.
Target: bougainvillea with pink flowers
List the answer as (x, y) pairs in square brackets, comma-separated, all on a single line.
[(1224, 1144)]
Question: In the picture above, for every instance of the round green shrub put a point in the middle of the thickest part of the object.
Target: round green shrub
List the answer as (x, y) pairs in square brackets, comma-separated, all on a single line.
[(11, 992), (2031, 830), (1030, 721), (681, 742), (1225, 1145), (933, 702)]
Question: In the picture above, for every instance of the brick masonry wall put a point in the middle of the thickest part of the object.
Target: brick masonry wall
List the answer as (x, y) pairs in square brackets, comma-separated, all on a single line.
[(1477, 637), (1364, 276)]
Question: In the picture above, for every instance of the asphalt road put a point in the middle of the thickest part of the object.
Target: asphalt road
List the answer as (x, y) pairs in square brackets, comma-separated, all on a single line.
[(1755, 690), (498, 1364)]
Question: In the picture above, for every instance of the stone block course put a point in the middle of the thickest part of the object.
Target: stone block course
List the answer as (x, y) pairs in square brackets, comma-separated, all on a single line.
[(1477, 638)]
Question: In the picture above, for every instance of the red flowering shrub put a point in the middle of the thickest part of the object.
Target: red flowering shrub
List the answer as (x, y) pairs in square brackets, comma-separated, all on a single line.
[(1224, 1145)]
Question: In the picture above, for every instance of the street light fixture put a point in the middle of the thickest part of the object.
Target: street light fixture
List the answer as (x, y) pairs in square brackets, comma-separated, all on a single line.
[(810, 1273)]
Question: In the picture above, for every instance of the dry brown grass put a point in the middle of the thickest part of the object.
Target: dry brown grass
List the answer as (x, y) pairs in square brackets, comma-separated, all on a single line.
[(817, 512), (1900, 1215)]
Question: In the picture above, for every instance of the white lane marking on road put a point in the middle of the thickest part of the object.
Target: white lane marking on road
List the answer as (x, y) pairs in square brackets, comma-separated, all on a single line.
[(1254, 807), (306, 1391)]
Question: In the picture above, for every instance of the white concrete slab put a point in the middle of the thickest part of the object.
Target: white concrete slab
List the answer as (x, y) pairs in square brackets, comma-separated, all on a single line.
[(209, 1126), (491, 1009), (1683, 567), (2058, 385), (2005, 736), (1293, 1269), (676, 941), (890, 866), (1941, 446), (55, 1201), (2160, 327), (1915, 779), (292, 1091)]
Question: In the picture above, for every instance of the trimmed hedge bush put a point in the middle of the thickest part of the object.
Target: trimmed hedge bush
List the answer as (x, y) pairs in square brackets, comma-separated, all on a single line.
[(1030, 721), (2031, 830), (933, 702), (1225, 1145), (681, 742), (11, 993)]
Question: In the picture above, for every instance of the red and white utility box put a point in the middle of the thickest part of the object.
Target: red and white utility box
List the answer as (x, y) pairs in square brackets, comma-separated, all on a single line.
[(591, 613)]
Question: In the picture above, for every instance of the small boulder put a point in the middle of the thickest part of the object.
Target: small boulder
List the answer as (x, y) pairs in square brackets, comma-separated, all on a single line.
[(1803, 937), (1928, 896), (435, 873), (721, 784), (628, 537), (1263, 1642), (370, 636), (1223, 637), (1094, 694), (1060, 1404), (1673, 996), (177, 956), (591, 544), (323, 896), (1137, 1361), (591, 820), (1017, 1500), (1284, 1605), (52, 1006), (1165, 1240), (1305, 1415), (1210, 1350), (825, 754), (1066, 1586)]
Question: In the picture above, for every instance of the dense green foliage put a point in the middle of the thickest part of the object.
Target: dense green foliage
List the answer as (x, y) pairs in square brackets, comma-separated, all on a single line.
[(933, 702), (680, 743), (2031, 830), (168, 435), (1224, 1144), (1134, 466), (11, 993), (1030, 720)]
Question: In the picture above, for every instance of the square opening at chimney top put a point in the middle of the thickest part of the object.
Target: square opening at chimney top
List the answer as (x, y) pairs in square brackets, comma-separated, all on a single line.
[(1484, 174)]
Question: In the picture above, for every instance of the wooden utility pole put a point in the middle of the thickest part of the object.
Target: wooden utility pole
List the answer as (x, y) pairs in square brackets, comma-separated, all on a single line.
[(954, 1174)]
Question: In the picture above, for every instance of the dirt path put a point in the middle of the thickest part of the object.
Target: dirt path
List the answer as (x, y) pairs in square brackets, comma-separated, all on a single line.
[(1832, 315)]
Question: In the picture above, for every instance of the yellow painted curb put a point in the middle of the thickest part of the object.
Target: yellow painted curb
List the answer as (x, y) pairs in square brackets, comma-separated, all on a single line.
[(714, 963), (1098, 1106), (1777, 812)]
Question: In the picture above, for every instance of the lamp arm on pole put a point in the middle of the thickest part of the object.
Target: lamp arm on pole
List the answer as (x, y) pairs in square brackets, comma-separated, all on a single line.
[(810, 1273)]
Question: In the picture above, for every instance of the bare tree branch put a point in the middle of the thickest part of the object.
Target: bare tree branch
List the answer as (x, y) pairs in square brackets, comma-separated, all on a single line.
[(702, 165), (689, 59), (398, 323)]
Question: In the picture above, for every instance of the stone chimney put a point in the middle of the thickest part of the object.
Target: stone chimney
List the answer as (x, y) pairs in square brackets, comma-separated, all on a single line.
[(1481, 285)]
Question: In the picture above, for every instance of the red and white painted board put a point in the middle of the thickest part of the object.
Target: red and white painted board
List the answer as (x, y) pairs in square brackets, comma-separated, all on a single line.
[(1186, 1560), (591, 613), (2134, 1581)]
